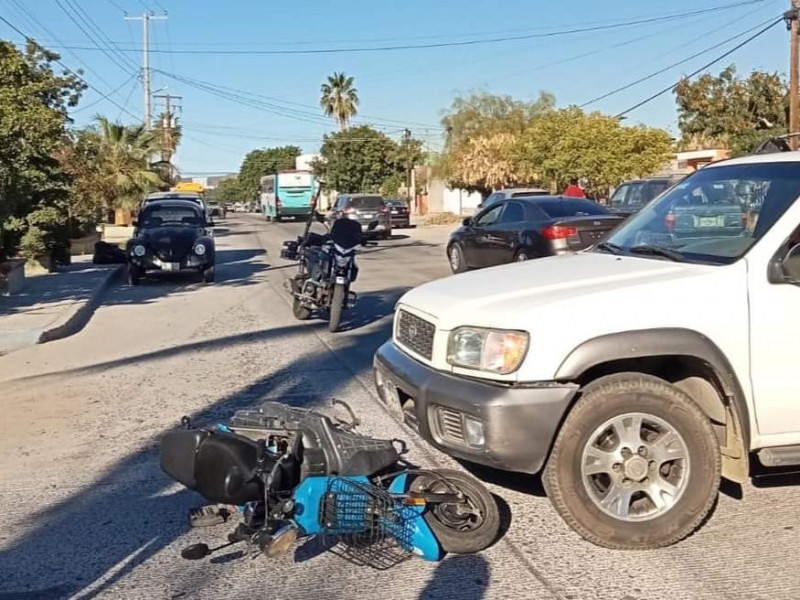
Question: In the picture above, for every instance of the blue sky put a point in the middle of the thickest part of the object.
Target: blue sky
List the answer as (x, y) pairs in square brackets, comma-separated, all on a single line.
[(398, 89)]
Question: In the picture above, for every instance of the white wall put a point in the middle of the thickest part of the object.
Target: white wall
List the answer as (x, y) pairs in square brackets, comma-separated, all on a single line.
[(459, 201)]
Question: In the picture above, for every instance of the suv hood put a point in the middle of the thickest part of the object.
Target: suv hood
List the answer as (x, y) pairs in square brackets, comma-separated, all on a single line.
[(496, 297)]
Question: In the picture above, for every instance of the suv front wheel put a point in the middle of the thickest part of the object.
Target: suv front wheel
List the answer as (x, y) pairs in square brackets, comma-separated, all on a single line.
[(636, 464)]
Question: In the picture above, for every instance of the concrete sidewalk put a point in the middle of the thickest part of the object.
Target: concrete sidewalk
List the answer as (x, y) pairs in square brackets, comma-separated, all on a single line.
[(53, 305)]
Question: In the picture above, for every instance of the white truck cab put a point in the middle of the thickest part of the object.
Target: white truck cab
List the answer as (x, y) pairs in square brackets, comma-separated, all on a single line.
[(633, 375)]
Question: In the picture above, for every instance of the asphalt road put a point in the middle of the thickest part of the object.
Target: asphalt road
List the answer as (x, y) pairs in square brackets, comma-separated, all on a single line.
[(86, 512)]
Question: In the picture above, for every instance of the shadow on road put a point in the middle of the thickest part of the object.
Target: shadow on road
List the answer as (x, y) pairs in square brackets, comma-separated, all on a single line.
[(519, 482), (90, 522), (470, 575)]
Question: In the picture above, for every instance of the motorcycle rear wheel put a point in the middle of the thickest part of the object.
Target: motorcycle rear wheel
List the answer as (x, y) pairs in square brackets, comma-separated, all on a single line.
[(337, 307), (460, 533)]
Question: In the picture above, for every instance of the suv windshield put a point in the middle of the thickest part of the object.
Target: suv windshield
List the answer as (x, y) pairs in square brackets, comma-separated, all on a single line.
[(162, 215), (367, 202), (714, 216)]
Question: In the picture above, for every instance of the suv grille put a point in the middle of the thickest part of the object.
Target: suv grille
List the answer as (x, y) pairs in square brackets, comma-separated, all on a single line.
[(451, 426), (415, 334)]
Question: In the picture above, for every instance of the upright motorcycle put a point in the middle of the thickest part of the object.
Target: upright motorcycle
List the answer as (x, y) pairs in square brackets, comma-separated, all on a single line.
[(326, 267), (294, 472)]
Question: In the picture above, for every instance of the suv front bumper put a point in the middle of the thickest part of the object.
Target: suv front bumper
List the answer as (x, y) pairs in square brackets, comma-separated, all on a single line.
[(517, 423)]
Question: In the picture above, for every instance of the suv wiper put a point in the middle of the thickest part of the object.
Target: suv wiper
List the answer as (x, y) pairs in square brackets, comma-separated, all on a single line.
[(609, 247), (673, 255)]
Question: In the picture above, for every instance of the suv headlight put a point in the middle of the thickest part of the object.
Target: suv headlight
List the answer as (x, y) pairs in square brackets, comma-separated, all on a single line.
[(139, 250), (492, 350), (200, 249)]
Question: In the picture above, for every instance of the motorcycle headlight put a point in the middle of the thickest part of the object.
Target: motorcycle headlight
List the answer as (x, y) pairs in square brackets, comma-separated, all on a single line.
[(139, 250), (491, 350), (200, 249), (342, 261)]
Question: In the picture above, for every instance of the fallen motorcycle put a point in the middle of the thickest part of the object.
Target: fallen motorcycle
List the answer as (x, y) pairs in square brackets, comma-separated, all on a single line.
[(295, 473)]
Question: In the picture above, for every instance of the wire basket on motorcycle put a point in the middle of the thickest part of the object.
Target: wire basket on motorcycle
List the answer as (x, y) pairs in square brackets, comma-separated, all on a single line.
[(365, 524)]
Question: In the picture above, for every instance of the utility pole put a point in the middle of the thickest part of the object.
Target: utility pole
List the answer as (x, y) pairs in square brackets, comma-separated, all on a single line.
[(409, 176), (167, 127), (145, 19), (791, 18)]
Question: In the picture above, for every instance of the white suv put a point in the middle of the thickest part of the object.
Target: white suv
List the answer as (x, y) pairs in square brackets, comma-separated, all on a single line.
[(633, 374)]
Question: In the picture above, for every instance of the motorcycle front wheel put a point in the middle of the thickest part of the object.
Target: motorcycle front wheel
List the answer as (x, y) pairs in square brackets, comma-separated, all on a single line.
[(463, 528), (337, 307)]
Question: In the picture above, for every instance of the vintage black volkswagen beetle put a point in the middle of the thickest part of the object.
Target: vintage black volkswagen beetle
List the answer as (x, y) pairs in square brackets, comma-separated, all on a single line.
[(171, 235)]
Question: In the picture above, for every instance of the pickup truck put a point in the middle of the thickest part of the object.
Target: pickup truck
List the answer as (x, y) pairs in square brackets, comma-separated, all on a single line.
[(632, 417)]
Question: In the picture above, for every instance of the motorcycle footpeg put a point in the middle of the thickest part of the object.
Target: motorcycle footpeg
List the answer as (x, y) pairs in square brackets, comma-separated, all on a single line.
[(208, 516), (352, 299)]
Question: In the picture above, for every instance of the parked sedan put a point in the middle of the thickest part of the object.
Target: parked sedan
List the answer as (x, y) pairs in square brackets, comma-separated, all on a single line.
[(369, 210), (525, 228), (172, 236), (631, 196), (401, 215)]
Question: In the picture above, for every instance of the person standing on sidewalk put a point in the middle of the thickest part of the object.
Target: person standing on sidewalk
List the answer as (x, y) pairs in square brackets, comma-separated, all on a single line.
[(573, 190)]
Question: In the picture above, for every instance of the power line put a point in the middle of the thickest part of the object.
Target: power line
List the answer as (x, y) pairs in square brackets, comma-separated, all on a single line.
[(703, 68), (472, 42), (673, 65), (99, 100), (58, 61), (91, 38), (33, 19), (275, 103), (92, 24), (628, 42)]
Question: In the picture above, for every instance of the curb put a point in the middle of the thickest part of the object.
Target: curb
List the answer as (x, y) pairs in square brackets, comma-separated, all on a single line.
[(74, 319), (77, 317)]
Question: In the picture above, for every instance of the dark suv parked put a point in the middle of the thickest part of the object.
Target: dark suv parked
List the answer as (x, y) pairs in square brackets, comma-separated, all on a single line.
[(632, 196), (369, 210)]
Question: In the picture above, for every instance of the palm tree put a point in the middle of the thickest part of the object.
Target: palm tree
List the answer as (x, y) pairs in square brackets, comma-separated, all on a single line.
[(339, 99), (124, 171)]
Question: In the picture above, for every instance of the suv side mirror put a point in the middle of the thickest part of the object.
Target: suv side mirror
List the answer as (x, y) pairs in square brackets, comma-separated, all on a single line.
[(467, 222), (790, 265)]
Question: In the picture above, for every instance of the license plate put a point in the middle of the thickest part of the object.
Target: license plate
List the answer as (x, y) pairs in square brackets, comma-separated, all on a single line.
[(368, 215), (394, 212), (170, 266), (708, 221)]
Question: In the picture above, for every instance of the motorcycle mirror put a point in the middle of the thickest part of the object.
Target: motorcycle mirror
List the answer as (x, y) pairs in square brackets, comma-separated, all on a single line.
[(195, 551)]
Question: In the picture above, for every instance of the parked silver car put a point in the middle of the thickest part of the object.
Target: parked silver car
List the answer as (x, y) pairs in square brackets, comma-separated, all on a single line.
[(507, 193)]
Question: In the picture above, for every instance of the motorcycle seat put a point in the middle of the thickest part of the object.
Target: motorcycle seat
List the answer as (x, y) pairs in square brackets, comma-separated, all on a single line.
[(345, 453)]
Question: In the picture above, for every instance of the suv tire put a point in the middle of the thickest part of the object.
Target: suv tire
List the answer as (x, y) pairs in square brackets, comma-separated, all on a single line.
[(636, 464)]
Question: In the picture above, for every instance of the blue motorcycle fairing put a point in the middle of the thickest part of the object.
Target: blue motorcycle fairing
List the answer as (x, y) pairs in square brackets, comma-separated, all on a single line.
[(424, 539), (308, 502)]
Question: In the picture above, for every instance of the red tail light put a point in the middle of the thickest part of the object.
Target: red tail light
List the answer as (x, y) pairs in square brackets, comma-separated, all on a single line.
[(669, 222), (558, 232)]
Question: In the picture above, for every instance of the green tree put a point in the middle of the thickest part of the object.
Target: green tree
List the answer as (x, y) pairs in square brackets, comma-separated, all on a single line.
[(262, 162), (481, 131), (568, 143), (339, 99), (361, 159), (34, 99), (228, 191), (730, 111), (124, 175)]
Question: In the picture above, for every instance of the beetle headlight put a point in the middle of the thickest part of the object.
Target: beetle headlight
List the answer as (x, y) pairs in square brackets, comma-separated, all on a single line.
[(139, 250), (200, 249), (492, 350)]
